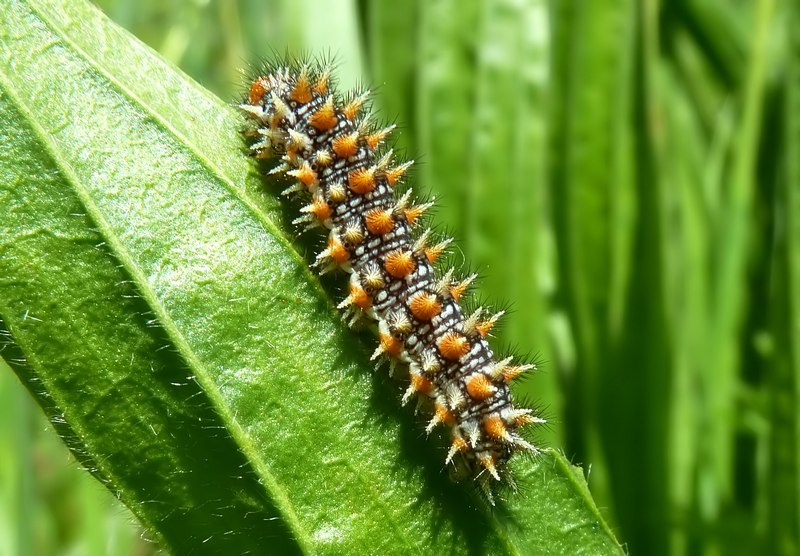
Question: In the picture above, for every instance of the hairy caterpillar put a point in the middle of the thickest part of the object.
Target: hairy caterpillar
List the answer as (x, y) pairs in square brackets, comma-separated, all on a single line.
[(333, 152)]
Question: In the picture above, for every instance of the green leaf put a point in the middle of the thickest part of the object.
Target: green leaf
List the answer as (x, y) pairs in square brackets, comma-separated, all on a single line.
[(783, 470), (181, 346), (592, 185)]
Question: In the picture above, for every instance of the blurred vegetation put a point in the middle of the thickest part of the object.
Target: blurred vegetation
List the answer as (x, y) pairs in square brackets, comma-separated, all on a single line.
[(625, 174), (48, 504)]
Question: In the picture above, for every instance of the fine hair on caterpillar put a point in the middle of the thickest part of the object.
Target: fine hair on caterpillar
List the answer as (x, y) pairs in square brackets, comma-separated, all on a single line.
[(335, 156)]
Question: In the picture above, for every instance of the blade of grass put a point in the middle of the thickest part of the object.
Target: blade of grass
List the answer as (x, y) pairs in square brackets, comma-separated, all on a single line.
[(730, 255), (590, 174), (505, 218), (784, 383), (530, 273), (640, 373), (718, 32), (445, 99), (392, 38)]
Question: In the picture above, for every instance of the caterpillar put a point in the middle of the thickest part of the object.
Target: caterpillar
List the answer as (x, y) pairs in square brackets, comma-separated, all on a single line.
[(335, 155)]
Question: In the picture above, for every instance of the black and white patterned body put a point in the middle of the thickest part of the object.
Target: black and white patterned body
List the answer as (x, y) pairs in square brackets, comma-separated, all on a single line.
[(322, 142)]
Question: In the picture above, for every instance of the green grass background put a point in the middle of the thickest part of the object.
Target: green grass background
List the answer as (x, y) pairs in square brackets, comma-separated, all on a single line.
[(624, 174)]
